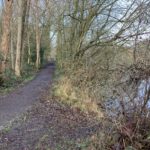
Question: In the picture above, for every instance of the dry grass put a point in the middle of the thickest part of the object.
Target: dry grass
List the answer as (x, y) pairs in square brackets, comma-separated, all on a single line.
[(76, 97)]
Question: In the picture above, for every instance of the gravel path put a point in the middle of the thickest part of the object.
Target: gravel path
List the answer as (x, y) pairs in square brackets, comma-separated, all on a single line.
[(17, 102)]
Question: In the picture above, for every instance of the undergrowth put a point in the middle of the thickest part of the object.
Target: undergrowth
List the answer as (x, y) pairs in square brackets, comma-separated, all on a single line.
[(9, 81), (70, 92), (127, 131)]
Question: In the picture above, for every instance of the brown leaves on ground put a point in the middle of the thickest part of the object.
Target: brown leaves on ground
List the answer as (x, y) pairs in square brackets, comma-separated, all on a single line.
[(49, 125)]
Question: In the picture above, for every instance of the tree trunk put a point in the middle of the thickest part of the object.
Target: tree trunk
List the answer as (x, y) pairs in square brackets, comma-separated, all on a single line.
[(26, 30), (29, 49), (12, 53), (7, 14), (21, 20), (38, 46), (38, 37)]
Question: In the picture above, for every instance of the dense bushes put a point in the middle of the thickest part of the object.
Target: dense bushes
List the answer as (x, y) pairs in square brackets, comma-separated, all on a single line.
[(89, 85)]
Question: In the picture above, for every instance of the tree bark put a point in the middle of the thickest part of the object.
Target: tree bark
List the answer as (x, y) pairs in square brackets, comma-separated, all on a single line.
[(26, 30), (38, 46), (21, 20), (6, 21), (38, 37), (12, 53), (29, 49)]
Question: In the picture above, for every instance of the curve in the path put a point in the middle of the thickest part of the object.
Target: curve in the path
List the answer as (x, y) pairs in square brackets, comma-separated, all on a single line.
[(17, 102)]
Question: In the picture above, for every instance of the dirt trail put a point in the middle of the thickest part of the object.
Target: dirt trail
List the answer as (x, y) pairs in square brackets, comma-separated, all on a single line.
[(17, 102), (48, 124)]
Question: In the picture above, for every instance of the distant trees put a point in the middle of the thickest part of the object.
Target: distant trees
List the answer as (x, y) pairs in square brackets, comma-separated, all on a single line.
[(78, 30), (26, 34)]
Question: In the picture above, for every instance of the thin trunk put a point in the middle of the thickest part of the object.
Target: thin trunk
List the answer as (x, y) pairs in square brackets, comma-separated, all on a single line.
[(26, 30), (22, 55), (38, 37), (38, 45), (29, 49), (12, 54), (21, 19), (19, 40), (6, 21), (50, 51)]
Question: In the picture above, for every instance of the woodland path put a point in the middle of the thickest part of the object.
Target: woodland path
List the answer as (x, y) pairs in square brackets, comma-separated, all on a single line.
[(17, 102)]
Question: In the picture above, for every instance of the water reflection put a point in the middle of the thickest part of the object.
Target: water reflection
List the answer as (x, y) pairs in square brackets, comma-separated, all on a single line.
[(115, 106)]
